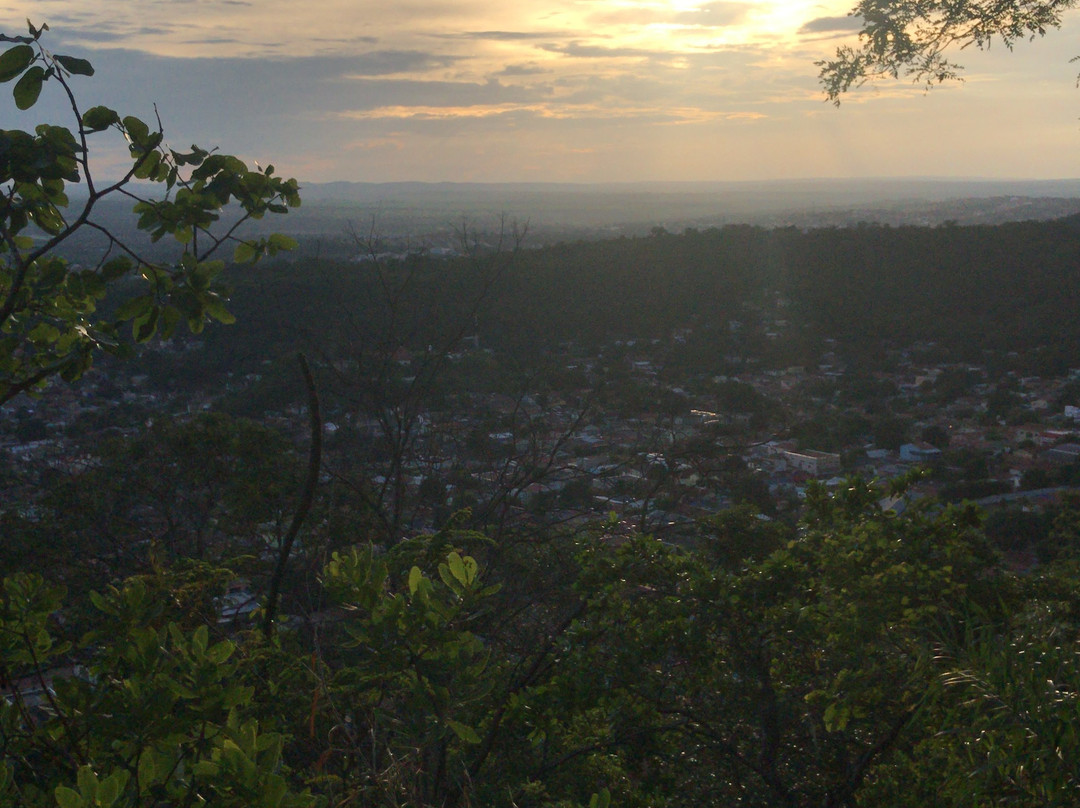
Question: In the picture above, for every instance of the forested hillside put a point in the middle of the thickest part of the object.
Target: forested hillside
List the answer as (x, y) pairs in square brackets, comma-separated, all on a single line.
[(971, 289)]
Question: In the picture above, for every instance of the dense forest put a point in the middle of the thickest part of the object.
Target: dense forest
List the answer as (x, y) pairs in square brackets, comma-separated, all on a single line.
[(972, 290)]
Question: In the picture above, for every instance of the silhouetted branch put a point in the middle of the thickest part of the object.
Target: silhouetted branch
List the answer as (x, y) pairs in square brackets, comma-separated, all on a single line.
[(306, 497)]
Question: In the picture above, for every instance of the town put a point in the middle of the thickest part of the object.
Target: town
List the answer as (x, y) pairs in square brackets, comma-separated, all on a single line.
[(606, 436)]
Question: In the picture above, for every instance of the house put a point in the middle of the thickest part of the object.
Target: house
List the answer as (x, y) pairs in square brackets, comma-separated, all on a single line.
[(35, 691), (919, 453), (813, 462), (1064, 454), (1036, 433), (236, 606)]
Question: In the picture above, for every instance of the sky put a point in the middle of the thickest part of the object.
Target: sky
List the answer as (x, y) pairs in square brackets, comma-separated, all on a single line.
[(552, 90)]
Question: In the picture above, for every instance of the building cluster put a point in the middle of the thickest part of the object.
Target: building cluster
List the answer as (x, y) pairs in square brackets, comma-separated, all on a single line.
[(614, 434)]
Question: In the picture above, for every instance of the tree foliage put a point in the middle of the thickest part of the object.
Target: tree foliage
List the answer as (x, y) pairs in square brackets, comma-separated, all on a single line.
[(54, 316), (914, 38), (155, 713)]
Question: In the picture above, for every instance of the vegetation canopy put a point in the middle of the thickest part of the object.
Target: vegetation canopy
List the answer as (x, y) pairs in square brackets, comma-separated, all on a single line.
[(54, 316), (914, 38)]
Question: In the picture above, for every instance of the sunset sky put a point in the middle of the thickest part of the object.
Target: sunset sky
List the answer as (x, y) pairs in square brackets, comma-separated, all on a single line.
[(554, 90)]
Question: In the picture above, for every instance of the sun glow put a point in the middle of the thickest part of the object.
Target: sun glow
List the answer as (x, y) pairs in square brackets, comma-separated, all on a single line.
[(713, 24)]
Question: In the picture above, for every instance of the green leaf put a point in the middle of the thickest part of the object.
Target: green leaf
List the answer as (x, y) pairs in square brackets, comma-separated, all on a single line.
[(14, 61), (147, 165), (148, 771), (134, 307), (144, 326), (836, 717), (28, 88), (170, 316), (457, 567), (245, 251), (193, 158), (415, 576), (466, 733), (44, 333), (279, 241), (77, 67), (68, 798), (100, 602), (216, 309), (48, 218), (115, 268), (97, 118), (219, 652), (111, 787), (471, 568), (88, 781), (601, 800), (200, 639), (275, 791), (447, 578), (138, 131)]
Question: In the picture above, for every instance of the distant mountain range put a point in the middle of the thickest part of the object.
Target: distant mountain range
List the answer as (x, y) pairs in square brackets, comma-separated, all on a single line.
[(335, 214), (679, 205), (832, 191)]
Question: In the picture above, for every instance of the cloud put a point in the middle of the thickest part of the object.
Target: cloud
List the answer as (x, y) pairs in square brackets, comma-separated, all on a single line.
[(526, 69), (374, 144), (714, 15), (440, 112), (634, 16), (349, 40), (509, 36), (212, 40), (439, 120), (364, 95), (619, 91), (718, 14), (106, 34), (826, 25), (389, 62), (251, 104), (578, 50)]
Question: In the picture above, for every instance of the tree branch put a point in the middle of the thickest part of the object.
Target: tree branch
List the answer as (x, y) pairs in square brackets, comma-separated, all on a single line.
[(306, 498)]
